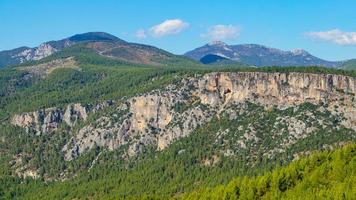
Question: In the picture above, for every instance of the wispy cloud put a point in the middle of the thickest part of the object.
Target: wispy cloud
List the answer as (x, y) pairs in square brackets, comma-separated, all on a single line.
[(140, 34), (222, 32), (335, 36), (168, 27)]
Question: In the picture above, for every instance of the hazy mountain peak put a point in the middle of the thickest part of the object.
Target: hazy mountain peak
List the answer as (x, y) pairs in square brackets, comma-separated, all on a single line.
[(212, 58), (217, 43), (260, 55), (94, 36), (299, 52), (252, 45)]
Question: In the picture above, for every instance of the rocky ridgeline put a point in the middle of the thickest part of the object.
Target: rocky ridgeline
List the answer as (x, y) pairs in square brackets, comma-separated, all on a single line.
[(37, 53), (162, 116)]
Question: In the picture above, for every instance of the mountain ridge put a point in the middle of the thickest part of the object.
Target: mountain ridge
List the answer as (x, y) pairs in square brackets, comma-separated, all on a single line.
[(100, 43), (45, 49), (112, 47), (260, 55)]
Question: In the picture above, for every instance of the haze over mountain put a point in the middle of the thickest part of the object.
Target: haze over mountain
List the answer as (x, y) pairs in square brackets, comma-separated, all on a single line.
[(214, 53), (101, 43), (259, 55), (349, 65), (212, 58)]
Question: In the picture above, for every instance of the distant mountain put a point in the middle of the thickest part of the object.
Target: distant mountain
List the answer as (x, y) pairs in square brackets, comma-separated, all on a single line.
[(100, 43), (23, 54), (349, 65), (211, 58), (259, 55), (215, 60)]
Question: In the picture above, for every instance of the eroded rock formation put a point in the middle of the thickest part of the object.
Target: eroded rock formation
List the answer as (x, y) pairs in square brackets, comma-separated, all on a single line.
[(162, 116), (47, 120)]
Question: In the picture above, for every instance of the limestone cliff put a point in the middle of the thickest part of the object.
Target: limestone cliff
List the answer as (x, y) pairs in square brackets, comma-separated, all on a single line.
[(162, 116), (47, 120)]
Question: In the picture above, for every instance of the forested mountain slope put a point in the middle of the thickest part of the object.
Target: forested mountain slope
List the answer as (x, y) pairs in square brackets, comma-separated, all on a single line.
[(80, 124), (92, 44), (349, 65)]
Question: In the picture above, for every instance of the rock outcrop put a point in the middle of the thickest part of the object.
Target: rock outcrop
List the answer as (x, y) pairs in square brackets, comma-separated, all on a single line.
[(282, 90), (47, 68), (153, 120), (37, 53), (73, 113), (162, 116), (47, 120)]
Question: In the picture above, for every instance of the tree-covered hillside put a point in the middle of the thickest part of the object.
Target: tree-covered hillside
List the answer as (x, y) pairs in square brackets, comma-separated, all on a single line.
[(325, 175), (206, 158), (96, 47), (349, 65)]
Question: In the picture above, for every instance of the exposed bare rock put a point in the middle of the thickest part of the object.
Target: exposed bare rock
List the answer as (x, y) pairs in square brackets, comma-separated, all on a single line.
[(25, 120), (52, 118), (49, 67), (282, 90), (185, 124), (22, 169), (103, 105), (211, 161), (73, 113), (37, 53), (152, 110), (43, 51), (106, 134), (48, 120), (162, 116)]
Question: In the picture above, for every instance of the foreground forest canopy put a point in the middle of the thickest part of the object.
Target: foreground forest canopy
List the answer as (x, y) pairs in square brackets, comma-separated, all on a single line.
[(322, 175)]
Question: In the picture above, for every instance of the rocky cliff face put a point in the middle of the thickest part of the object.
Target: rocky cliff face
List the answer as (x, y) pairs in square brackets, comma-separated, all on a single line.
[(37, 53), (280, 89), (162, 116), (49, 119)]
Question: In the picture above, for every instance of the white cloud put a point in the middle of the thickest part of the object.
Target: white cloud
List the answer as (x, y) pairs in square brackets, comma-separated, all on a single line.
[(168, 27), (335, 35), (140, 34), (222, 32)]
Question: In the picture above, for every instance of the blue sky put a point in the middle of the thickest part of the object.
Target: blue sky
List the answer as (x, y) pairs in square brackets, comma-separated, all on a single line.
[(325, 28)]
